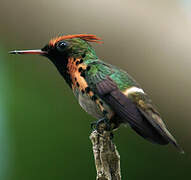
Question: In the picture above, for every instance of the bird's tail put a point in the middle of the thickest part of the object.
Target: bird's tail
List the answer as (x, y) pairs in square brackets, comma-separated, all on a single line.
[(173, 141), (165, 136)]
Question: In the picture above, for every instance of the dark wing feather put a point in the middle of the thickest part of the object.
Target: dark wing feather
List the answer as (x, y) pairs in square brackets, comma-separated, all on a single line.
[(140, 121), (127, 110)]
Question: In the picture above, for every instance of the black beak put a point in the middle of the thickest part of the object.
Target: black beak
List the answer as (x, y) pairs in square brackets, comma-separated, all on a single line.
[(36, 51)]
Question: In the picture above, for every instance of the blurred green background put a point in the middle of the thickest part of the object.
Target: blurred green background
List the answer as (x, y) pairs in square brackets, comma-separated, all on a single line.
[(44, 134)]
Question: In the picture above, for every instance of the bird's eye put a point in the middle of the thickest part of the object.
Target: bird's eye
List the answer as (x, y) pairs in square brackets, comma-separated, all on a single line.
[(61, 46)]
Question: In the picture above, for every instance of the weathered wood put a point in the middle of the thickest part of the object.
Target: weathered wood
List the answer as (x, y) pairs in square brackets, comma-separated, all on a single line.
[(107, 158)]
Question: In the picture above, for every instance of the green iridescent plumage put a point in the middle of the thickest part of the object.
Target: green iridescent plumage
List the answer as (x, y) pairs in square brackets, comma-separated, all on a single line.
[(99, 69), (78, 47)]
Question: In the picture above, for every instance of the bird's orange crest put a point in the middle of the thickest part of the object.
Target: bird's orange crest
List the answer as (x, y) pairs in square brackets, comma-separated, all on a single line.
[(86, 37)]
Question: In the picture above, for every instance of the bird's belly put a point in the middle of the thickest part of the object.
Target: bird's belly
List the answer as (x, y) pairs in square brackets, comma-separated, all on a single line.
[(91, 107)]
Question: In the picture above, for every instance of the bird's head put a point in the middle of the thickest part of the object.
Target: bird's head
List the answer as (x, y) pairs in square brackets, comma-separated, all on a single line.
[(59, 49), (62, 49)]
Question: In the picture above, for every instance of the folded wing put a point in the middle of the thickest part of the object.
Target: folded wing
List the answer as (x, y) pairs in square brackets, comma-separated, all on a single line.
[(144, 119)]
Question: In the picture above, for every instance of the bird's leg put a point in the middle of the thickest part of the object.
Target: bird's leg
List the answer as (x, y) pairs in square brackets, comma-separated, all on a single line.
[(104, 120)]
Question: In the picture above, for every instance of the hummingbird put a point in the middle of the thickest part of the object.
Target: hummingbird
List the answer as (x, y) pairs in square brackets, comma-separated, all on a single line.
[(105, 91)]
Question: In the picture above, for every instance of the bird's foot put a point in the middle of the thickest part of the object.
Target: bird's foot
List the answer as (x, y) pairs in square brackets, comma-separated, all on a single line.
[(95, 125)]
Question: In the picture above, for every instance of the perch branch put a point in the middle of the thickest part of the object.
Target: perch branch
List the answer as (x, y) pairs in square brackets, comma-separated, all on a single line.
[(107, 159)]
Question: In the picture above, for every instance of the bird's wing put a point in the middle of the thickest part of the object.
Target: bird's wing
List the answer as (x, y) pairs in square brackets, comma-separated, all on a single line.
[(121, 92)]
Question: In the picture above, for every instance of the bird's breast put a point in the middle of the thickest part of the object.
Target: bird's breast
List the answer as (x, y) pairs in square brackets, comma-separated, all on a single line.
[(91, 103)]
